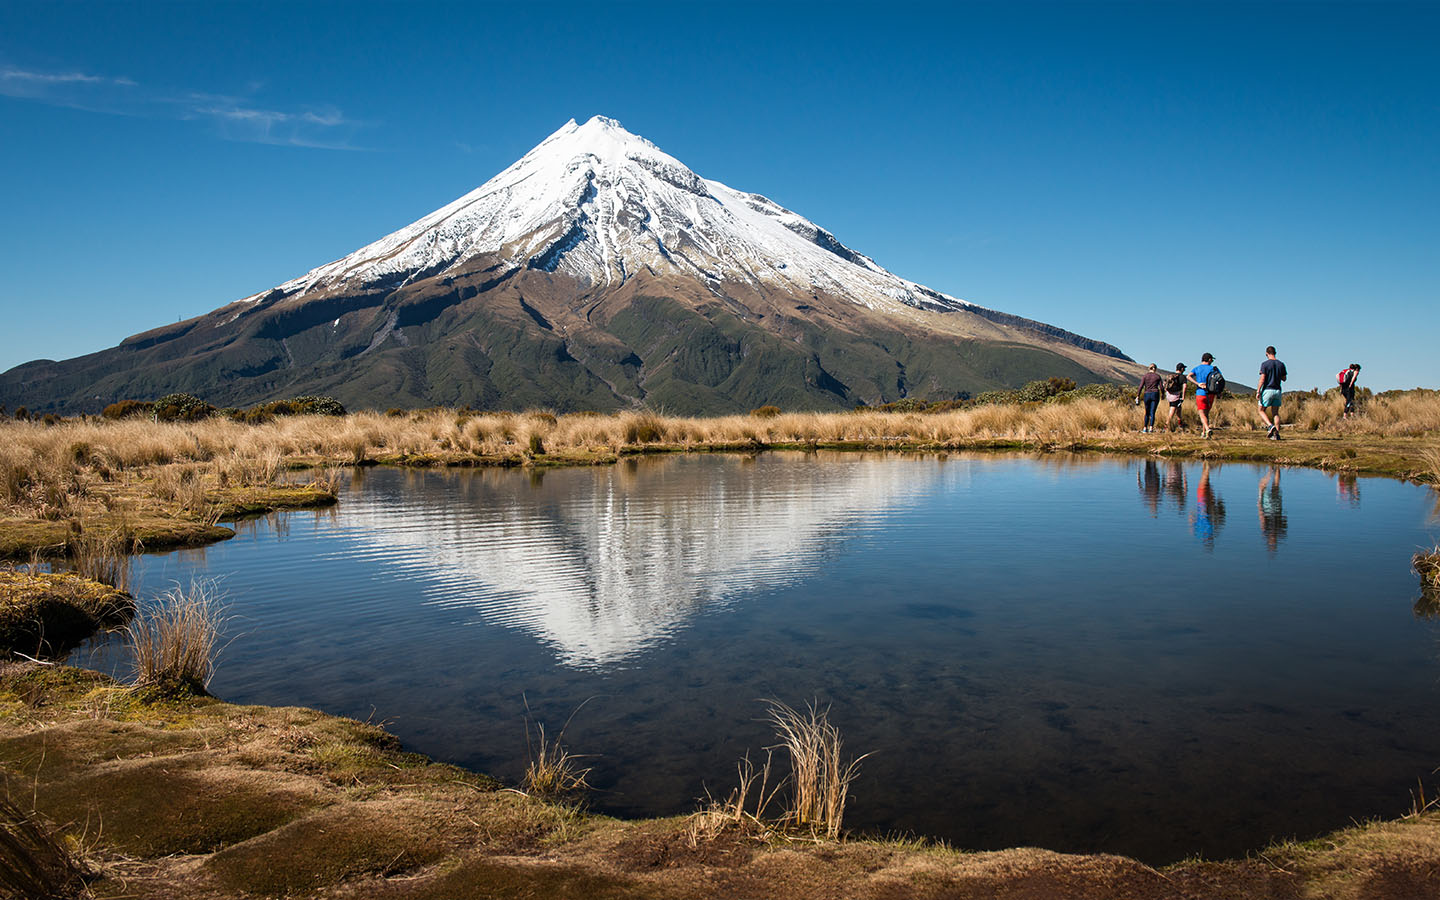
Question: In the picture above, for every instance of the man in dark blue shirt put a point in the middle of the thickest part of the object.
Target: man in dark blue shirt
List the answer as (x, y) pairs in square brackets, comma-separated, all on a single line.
[(1267, 392)]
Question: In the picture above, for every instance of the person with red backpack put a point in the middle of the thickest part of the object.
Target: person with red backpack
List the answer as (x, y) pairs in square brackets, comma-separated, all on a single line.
[(1346, 379)]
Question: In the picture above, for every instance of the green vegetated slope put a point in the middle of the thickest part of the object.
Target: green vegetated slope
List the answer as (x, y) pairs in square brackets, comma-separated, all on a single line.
[(529, 340)]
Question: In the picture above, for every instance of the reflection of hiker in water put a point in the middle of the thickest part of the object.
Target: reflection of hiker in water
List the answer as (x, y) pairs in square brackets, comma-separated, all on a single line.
[(1148, 480), (1175, 482), (1347, 488), (1209, 515), (1272, 515)]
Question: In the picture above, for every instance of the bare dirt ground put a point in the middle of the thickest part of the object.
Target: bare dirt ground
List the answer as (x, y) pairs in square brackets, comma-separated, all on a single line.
[(192, 797)]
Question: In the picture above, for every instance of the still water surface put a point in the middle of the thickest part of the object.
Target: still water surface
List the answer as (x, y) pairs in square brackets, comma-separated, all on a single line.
[(1150, 658)]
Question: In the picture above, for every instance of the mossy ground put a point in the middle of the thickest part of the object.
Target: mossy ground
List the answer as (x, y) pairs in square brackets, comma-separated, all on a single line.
[(44, 613), (155, 525), (199, 798)]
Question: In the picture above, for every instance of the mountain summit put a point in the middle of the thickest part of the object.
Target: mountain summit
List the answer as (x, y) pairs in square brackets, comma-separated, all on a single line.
[(595, 272), (601, 204)]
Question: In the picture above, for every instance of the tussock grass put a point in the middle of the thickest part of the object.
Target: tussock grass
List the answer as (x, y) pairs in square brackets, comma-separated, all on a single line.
[(738, 811), (553, 773), (102, 556), (1427, 566), (1430, 456), (820, 779), (36, 862), (175, 643)]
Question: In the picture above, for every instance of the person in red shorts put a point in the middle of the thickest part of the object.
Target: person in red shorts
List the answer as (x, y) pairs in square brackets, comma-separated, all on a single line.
[(1203, 401)]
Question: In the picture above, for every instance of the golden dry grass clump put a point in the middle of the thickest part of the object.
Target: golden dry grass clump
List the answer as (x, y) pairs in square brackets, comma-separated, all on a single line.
[(175, 642), (36, 862), (1427, 565), (553, 772), (820, 778)]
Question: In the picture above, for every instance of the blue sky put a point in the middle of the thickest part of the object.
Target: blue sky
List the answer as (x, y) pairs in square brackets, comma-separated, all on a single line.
[(1173, 178)]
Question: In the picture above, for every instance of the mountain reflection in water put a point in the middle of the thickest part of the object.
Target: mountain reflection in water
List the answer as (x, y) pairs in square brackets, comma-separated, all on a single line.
[(599, 564)]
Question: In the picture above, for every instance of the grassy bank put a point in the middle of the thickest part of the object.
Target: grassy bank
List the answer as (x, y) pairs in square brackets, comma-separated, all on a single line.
[(169, 483), (196, 797), (44, 614)]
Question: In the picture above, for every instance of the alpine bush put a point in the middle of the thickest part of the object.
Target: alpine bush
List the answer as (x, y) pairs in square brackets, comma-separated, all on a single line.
[(124, 409), (182, 408)]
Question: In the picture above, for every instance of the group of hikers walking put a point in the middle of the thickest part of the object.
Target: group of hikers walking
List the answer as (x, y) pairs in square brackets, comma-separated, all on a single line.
[(1209, 385)]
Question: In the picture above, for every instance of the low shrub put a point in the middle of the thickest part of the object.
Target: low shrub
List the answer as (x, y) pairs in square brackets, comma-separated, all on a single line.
[(182, 408), (124, 409), (295, 406), (993, 398), (765, 412), (1120, 392)]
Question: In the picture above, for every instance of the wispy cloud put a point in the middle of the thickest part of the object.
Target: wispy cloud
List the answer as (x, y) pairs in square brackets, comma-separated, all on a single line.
[(232, 118)]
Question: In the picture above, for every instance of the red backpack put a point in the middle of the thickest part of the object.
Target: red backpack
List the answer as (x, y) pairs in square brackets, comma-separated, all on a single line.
[(1340, 376)]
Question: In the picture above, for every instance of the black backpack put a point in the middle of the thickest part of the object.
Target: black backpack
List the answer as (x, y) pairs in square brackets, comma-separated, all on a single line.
[(1214, 383)]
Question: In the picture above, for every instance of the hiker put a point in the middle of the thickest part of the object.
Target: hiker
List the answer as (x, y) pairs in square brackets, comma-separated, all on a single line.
[(1150, 390), (1175, 396), (1267, 393), (1347, 388), (1209, 386)]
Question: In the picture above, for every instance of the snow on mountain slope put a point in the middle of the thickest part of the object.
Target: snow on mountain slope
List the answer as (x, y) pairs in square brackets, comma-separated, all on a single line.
[(599, 203)]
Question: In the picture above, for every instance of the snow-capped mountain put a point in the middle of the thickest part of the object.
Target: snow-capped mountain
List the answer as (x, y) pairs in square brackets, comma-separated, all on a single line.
[(597, 271), (599, 203)]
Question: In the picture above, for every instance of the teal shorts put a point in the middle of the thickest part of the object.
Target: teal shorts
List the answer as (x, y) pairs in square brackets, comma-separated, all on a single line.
[(1270, 397)]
